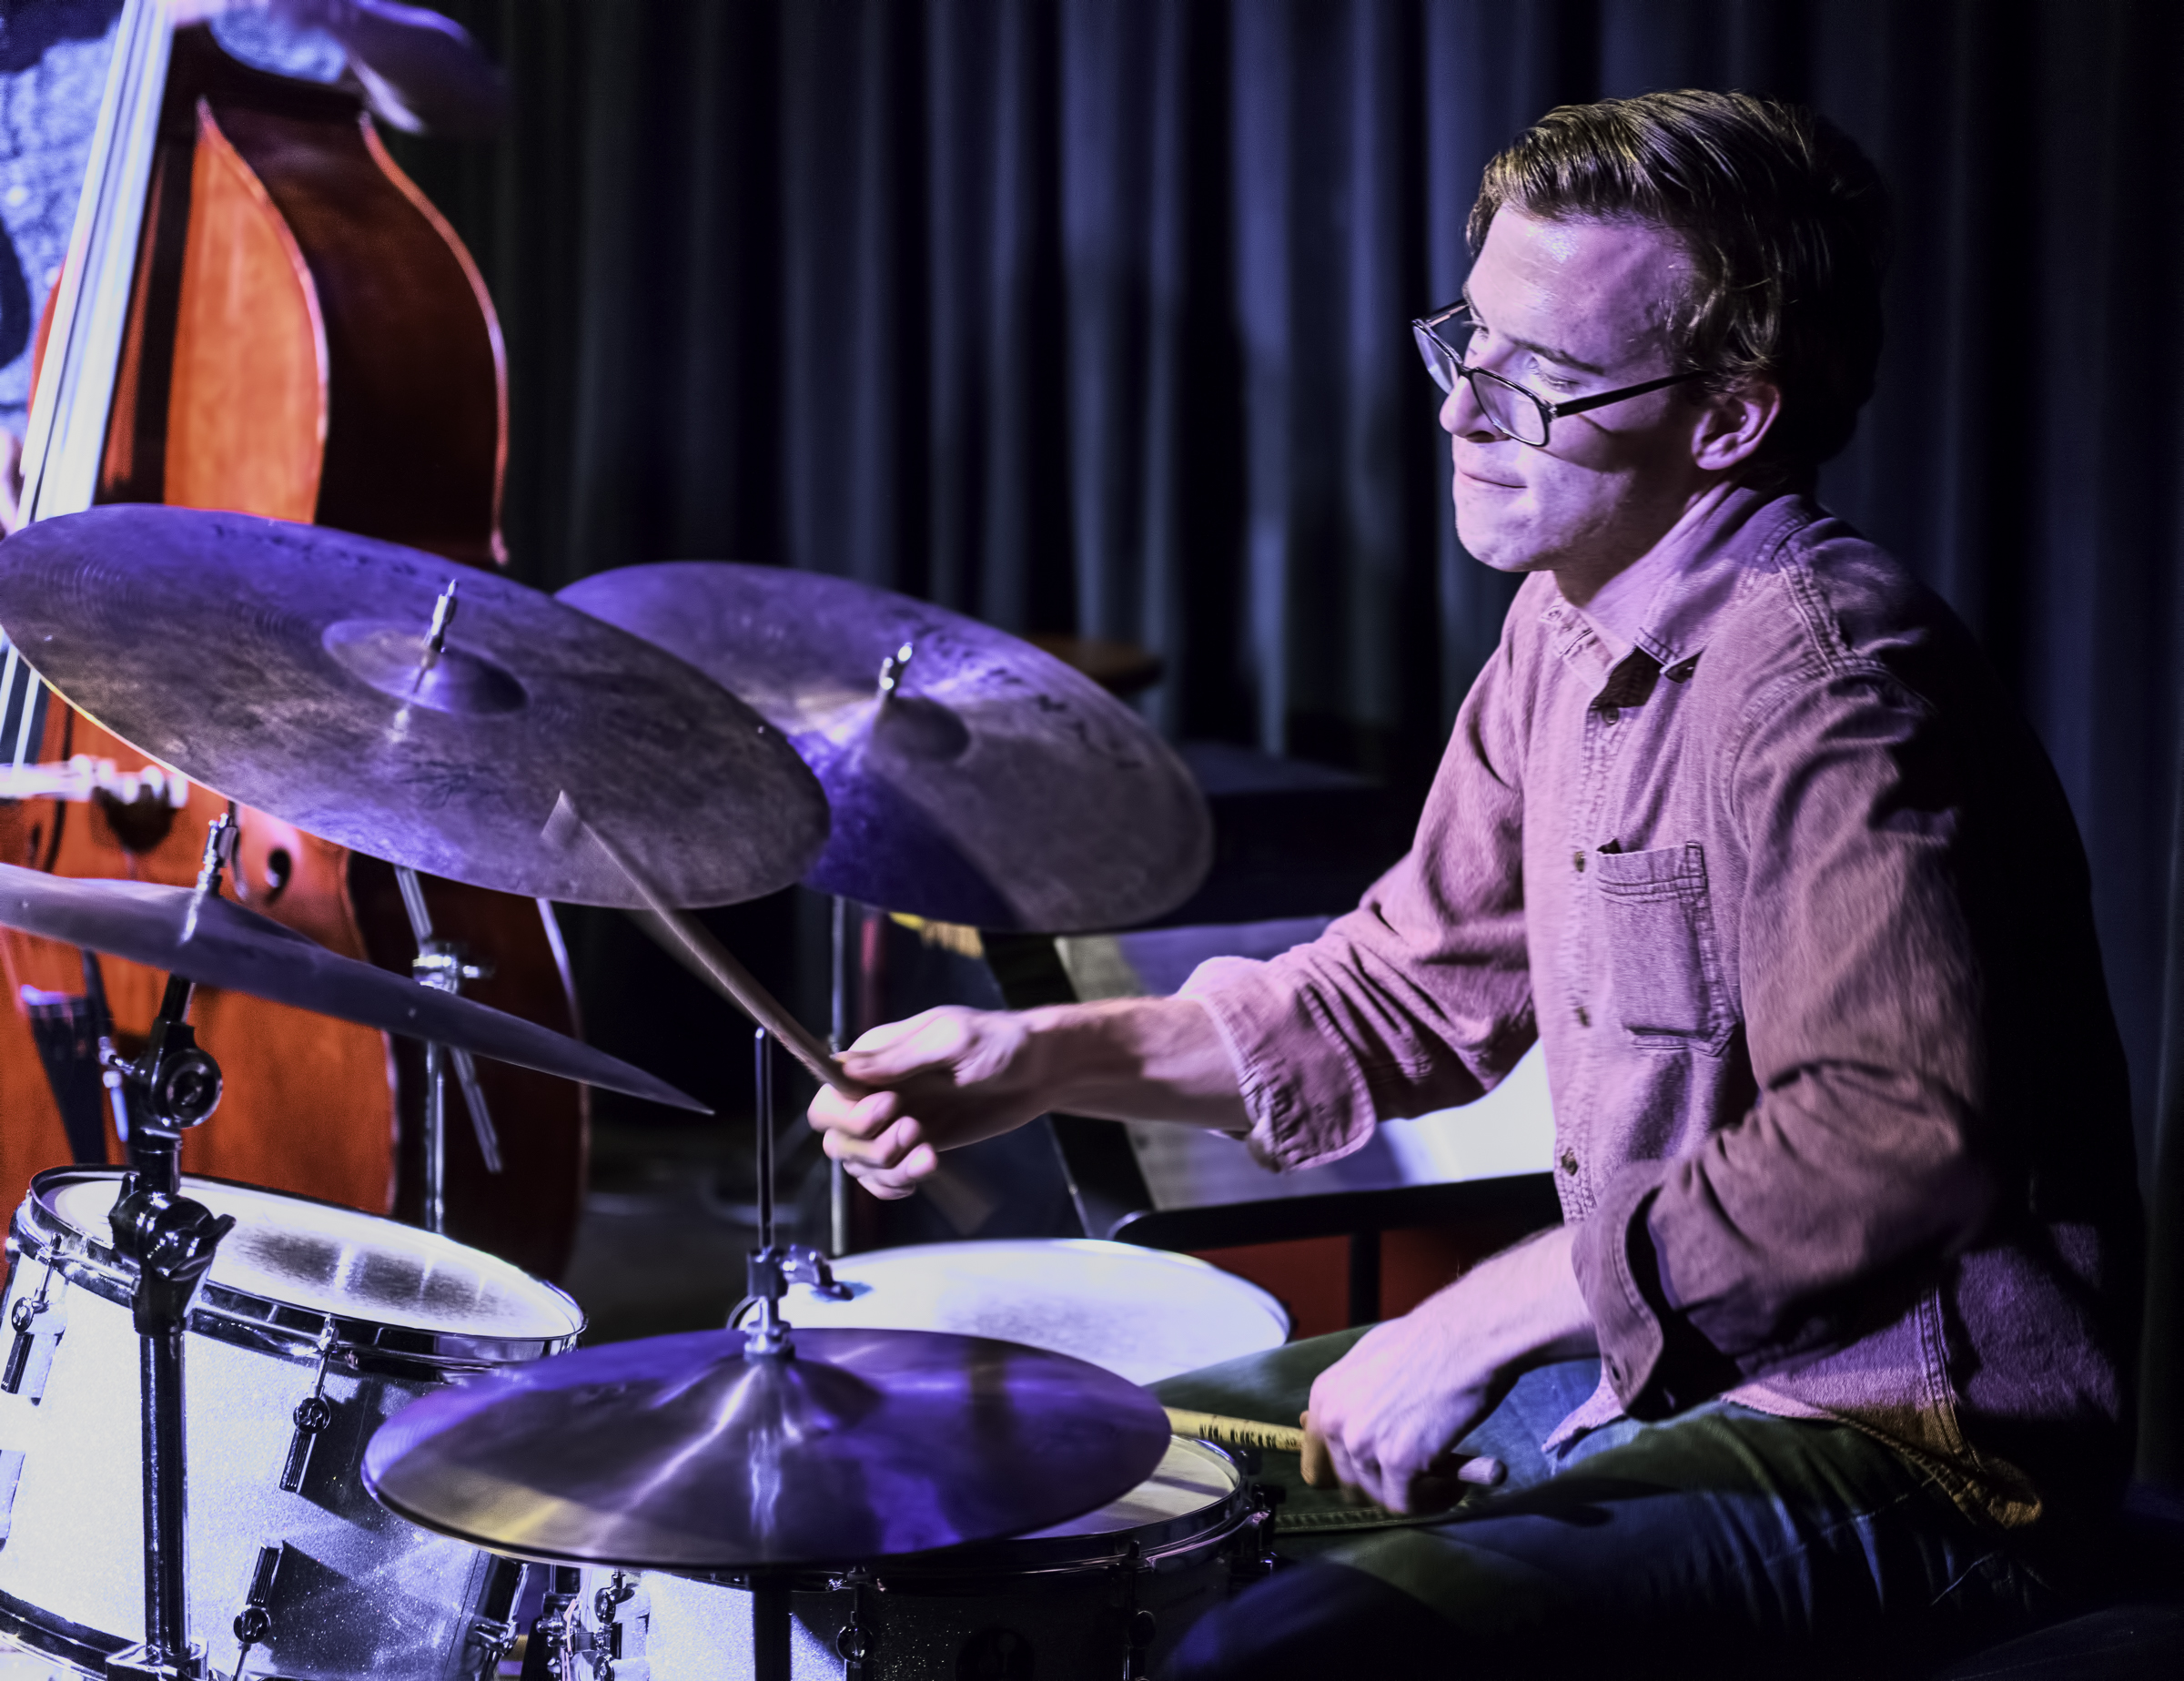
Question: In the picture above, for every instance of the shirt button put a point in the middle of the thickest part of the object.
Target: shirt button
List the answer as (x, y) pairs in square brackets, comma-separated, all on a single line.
[(1570, 1161), (1608, 714), (1577, 860), (1585, 1017)]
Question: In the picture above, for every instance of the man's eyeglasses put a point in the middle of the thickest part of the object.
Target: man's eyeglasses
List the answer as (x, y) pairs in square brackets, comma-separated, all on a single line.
[(1515, 413)]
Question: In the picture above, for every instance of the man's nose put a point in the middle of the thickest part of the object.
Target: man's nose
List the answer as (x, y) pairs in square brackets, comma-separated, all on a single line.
[(1461, 416)]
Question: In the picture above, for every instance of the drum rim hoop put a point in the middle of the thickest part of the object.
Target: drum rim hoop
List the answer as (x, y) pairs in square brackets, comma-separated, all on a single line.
[(263, 1323), (1196, 1530), (53, 1636)]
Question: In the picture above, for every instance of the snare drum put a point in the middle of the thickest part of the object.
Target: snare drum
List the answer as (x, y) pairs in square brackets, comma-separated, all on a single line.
[(1103, 1596), (1144, 1313), (304, 1299)]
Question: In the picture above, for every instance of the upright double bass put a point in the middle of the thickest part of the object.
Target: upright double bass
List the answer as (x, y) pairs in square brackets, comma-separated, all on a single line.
[(261, 312)]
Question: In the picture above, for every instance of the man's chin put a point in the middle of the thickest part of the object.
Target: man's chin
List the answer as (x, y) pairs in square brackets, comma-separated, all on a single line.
[(1500, 543)]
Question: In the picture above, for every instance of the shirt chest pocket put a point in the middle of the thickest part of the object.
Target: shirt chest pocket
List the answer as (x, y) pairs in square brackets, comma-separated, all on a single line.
[(1663, 965)]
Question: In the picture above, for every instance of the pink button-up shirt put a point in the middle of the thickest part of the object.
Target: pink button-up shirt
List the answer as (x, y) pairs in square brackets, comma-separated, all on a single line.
[(1792, 900)]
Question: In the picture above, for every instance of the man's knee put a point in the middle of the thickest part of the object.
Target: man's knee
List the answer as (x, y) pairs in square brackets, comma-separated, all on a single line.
[(1318, 1620)]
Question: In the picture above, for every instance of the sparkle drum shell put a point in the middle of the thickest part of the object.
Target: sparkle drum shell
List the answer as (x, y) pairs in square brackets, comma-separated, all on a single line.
[(389, 1311), (1103, 1595), (1143, 1313)]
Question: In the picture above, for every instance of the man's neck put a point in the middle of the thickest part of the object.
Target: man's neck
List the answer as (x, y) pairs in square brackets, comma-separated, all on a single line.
[(1616, 602)]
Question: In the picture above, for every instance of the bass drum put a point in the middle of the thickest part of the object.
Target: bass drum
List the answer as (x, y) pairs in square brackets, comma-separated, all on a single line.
[(1105, 1596), (314, 1325)]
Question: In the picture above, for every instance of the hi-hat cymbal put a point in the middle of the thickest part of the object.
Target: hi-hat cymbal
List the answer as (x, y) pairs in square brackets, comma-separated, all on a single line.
[(991, 785), (683, 1453), (217, 943), (285, 665)]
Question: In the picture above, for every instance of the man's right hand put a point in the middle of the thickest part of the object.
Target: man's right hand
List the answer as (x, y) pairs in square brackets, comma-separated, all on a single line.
[(955, 1075), (949, 1076)]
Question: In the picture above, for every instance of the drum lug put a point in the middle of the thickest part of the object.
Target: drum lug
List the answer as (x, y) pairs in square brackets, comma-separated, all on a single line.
[(313, 1414), (24, 1319), (254, 1622), (1255, 1558), (852, 1643), (1138, 1624)]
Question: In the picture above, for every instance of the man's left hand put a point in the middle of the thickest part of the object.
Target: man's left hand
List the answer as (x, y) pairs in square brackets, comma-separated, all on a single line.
[(1394, 1407)]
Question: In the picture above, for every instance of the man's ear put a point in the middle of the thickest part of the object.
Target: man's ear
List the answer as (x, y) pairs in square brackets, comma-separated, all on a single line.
[(1733, 424)]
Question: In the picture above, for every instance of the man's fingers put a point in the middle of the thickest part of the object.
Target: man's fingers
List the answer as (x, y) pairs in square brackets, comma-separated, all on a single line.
[(887, 1149), (898, 1181), (892, 1053), (834, 1112)]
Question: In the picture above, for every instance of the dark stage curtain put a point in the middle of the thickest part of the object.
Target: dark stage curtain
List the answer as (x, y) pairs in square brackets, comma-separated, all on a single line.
[(1093, 315)]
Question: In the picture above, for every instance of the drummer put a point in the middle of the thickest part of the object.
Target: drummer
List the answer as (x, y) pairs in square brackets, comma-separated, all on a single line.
[(1835, 1343)]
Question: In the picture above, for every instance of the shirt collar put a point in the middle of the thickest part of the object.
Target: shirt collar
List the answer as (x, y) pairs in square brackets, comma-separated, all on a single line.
[(1669, 600)]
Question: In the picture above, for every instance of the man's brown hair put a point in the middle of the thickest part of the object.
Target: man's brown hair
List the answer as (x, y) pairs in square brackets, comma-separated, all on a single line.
[(1786, 224)]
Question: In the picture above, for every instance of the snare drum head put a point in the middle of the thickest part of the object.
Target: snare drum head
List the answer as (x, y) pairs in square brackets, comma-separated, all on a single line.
[(1143, 1313), (337, 1260)]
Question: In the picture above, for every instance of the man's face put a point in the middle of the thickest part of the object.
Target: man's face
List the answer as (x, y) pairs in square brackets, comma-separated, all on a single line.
[(1568, 309)]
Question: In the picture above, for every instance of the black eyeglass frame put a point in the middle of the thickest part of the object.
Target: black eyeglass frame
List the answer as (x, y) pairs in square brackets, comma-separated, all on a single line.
[(1426, 331)]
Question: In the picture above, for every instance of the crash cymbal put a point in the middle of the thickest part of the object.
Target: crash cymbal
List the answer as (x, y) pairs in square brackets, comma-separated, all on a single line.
[(217, 943), (684, 1452), (989, 785), (288, 667)]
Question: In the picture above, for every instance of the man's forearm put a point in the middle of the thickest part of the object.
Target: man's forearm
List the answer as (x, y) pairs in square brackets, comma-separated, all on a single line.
[(1137, 1060)]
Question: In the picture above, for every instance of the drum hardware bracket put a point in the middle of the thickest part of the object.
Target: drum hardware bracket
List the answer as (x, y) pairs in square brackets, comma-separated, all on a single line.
[(555, 1634), (313, 1414), (254, 1622)]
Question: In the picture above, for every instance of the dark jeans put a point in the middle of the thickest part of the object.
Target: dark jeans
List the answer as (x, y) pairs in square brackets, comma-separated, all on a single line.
[(1720, 1541)]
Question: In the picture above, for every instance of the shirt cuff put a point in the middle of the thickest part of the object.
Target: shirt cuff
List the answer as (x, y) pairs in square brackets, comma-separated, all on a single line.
[(1657, 1362), (1306, 1105)]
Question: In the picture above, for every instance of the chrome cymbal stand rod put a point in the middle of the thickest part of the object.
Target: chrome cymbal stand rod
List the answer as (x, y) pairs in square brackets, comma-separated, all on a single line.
[(761, 1067), (443, 966), (837, 1178)]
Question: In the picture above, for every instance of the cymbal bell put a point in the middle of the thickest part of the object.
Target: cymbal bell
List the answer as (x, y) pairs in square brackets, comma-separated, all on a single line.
[(972, 777), (217, 943), (293, 668), (687, 1452)]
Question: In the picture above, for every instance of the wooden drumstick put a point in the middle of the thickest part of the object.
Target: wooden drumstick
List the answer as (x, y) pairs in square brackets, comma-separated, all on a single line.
[(684, 938), (1235, 1431)]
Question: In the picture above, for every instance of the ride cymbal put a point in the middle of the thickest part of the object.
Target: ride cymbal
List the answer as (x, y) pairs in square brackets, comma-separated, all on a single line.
[(291, 667), (216, 942), (977, 780), (686, 1453)]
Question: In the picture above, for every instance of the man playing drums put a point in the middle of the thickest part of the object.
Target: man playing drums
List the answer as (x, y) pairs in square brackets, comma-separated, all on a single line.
[(1835, 1343)]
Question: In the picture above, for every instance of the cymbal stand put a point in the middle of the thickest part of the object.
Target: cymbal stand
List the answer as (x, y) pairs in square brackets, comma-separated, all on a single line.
[(770, 1269), (445, 966), (173, 1087)]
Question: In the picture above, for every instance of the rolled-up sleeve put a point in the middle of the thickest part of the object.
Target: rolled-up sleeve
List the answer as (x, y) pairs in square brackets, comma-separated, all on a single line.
[(1419, 999), (1864, 1158)]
